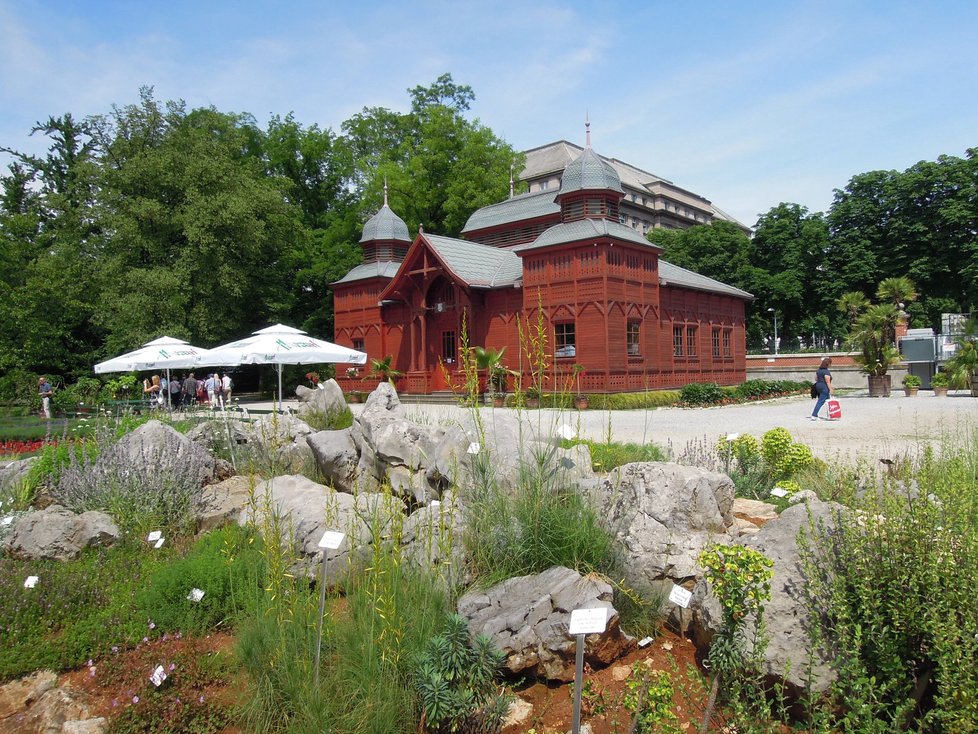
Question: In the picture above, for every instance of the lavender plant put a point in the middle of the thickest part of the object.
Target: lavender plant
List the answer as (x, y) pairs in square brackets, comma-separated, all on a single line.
[(159, 485)]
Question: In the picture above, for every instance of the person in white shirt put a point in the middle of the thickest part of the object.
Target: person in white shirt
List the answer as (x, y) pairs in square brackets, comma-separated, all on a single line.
[(226, 385)]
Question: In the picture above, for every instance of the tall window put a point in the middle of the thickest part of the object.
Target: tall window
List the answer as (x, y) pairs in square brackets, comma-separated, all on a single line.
[(716, 342), (358, 344), (565, 340), (448, 347), (726, 342), (632, 339), (677, 341), (691, 341)]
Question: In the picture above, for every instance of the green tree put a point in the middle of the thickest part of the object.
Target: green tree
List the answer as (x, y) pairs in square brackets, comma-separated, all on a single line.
[(439, 166), (202, 235)]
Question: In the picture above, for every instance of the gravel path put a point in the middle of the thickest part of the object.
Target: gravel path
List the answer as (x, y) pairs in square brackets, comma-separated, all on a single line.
[(871, 428)]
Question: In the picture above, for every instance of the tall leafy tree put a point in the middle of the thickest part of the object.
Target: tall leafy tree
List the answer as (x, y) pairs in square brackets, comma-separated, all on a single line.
[(200, 232)]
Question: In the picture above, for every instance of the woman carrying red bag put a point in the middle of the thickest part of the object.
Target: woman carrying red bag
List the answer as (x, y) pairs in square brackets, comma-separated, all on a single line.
[(823, 385)]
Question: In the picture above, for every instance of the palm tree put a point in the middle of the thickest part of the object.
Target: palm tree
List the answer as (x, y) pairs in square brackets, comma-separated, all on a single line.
[(384, 369), (872, 334), (491, 360), (898, 291), (852, 304)]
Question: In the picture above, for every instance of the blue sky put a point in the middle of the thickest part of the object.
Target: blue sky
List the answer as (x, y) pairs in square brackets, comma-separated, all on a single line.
[(747, 103)]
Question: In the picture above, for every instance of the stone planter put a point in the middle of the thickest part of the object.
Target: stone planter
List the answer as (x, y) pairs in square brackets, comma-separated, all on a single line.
[(353, 397), (581, 402), (910, 392), (940, 392), (533, 402), (498, 401), (879, 386)]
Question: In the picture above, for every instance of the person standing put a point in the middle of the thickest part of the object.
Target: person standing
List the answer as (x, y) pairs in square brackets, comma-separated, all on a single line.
[(210, 385), (226, 387), (190, 390), (175, 388), (45, 390), (823, 385)]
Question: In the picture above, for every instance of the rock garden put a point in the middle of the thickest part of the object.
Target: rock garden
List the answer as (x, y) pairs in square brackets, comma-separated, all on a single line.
[(313, 573)]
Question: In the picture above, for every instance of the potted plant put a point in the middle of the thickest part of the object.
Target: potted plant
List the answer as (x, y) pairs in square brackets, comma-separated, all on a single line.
[(872, 337), (940, 383), (533, 397), (384, 369), (911, 383), (491, 360), (962, 368), (580, 401)]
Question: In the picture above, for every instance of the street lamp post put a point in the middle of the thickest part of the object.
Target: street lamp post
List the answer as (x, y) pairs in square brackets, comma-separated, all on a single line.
[(775, 314)]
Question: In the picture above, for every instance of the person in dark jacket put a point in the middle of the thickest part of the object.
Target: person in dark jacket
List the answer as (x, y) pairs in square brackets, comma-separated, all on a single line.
[(823, 385)]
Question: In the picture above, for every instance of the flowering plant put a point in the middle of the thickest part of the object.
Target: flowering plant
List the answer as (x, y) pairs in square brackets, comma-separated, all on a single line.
[(352, 372), (313, 377)]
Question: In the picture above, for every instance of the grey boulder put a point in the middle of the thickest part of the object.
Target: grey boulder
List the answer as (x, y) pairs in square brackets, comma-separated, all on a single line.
[(59, 534), (528, 618), (222, 503), (326, 397), (337, 457), (155, 445)]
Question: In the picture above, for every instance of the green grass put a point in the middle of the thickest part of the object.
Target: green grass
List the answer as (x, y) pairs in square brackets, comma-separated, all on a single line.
[(109, 596), (607, 455)]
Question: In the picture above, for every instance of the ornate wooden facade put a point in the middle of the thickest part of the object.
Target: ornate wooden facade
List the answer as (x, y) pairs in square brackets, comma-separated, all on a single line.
[(605, 299)]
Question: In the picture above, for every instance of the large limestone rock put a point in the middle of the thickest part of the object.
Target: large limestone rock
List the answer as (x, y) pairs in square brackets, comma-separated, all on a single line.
[(663, 515), (337, 457), (222, 503), (12, 473), (432, 537), (503, 449), (36, 705), (281, 439), (392, 448), (787, 656), (59, 534), (527, 618), (302, 510), (327, 397), (155, 445)]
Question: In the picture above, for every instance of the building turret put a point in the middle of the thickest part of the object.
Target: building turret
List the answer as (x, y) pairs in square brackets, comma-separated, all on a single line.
[(589, 187), (385, 236)]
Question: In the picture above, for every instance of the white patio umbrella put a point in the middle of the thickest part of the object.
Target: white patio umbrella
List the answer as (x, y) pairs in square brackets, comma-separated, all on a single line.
[(165, 353), (280, 345)]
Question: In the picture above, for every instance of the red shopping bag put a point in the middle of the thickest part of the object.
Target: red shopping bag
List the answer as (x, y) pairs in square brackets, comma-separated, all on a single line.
[(835, 410)]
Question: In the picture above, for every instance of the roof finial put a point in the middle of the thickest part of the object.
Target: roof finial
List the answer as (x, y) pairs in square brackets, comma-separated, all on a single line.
[(511, 181), (385, 190), (587, 128)]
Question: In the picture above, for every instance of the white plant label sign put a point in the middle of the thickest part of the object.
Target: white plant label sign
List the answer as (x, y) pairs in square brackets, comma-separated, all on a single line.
[(159, 543), (680, 596), (154, 536), (566, 432), (7, 520), (30, 582), (195, 595), (474, 448), (779, 492), (158, 676), (733, 436), (588, 621), (331, 540)]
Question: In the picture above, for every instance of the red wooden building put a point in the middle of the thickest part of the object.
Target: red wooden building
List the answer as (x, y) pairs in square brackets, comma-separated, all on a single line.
[(633, 321)]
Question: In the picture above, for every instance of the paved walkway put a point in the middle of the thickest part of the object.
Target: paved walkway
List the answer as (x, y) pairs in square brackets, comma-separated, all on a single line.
[(873, 428)]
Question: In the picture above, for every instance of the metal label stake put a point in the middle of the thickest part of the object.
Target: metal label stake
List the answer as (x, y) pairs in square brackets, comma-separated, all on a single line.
[(584, 622), (331, 540)]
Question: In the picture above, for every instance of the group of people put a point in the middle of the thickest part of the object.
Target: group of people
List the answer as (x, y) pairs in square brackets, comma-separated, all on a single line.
[(214, 390)]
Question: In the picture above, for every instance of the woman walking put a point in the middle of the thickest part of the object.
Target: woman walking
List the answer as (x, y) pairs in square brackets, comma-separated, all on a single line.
[(823, 385)]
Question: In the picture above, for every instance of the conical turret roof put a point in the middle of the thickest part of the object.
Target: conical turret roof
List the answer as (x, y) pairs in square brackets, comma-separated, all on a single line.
[(385, 225), (589, 172)]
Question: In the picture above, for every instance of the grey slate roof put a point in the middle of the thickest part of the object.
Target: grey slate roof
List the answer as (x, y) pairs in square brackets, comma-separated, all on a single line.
[(519, 208), (385, 225), (584, 229), (370, 270), (670, 274), (588, 171), (478, 265)]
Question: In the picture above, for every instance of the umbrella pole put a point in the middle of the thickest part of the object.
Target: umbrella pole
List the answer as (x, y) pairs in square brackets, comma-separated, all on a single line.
[(168, 406), (279, 367)]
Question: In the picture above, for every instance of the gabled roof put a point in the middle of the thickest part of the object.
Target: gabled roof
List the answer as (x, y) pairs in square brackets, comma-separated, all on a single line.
[(370, 270), (670, 274), (517, 209), (478, 266), (585, 229)]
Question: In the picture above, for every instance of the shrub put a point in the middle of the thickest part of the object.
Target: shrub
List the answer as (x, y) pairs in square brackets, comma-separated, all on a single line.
[(328, 421), (456, 682), (911, 381), (648, 696), (162, 488), (702, 393), (226, 564)]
